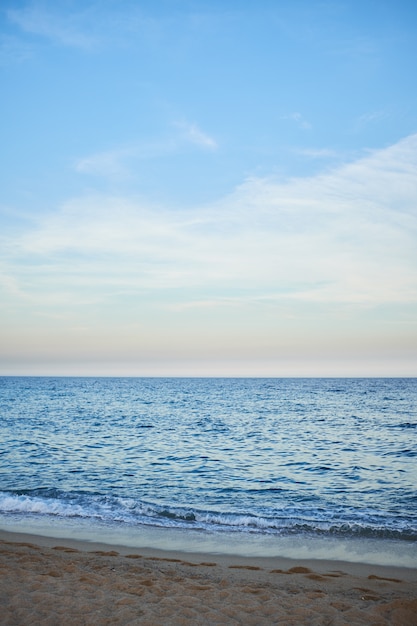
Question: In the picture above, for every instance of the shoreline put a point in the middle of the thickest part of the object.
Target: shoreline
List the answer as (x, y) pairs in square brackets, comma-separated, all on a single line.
[(317, 564), (46, 580), (298, 547)]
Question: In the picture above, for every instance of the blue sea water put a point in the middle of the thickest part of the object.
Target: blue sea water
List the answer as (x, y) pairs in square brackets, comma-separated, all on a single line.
[(297, 467)]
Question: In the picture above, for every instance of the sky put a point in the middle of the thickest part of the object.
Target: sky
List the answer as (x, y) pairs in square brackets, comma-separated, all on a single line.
[(208, 188)]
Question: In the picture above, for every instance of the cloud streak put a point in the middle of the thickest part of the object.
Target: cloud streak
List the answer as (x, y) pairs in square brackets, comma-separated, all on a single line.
[(62, 29), (346, 236), (195, 135), (109, 164), (13, 50), (299, 120), (116, 163)]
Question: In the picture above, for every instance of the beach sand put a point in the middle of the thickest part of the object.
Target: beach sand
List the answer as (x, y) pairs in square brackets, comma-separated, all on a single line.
[(57, 582)]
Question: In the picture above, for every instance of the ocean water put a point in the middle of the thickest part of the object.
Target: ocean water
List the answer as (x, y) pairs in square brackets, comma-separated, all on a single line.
[(293, 467)]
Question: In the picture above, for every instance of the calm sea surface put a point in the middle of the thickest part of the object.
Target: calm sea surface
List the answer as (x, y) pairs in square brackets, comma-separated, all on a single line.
[(265, 462)]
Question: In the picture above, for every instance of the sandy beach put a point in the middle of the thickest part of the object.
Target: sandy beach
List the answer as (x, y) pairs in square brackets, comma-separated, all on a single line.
[(48, 581)]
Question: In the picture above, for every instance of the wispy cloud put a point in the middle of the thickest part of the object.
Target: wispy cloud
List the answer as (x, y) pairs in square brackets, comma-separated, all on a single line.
[(63, 29), (13, 50), (318, 153), (372, 117), (109, 164), (192, 133), (299, 120), (347, 236), (116, 163)]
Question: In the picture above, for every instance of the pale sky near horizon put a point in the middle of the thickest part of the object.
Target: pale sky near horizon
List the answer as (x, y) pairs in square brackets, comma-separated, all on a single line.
[(208, 188)]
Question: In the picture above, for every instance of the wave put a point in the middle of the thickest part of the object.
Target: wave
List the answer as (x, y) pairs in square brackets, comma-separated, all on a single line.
[(127, 511)]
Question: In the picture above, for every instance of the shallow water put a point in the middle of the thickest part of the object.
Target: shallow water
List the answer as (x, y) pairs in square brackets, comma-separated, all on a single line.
[(264, 461)]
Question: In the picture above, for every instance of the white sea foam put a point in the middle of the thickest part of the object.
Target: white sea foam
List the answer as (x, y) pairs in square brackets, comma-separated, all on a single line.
[(130, 512)]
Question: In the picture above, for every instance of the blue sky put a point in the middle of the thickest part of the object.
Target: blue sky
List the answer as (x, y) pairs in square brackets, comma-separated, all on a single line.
[(208, 188)]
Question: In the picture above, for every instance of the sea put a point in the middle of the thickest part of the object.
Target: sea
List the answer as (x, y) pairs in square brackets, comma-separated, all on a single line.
[(292, 467)]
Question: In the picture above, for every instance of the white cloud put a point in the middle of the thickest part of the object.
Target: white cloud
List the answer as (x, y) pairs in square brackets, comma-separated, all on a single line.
[(372, 117), (117, 162), (348, 236), (318, 153), (110, 164), (194, 134)]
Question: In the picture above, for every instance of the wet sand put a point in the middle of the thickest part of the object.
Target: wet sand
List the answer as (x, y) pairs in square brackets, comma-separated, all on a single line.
[(47, 581)]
